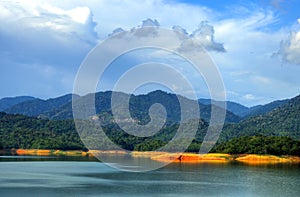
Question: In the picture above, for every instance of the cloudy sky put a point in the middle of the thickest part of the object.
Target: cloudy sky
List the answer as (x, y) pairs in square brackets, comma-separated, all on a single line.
[(255, 44)]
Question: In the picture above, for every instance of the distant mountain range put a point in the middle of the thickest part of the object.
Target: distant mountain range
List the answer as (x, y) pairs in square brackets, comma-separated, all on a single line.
[(281, 121), (61, 107), (276, 132), (246, 112), (36, 106), (8, 102)]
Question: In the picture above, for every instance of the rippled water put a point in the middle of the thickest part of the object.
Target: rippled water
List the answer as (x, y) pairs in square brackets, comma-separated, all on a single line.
[(84, 178)]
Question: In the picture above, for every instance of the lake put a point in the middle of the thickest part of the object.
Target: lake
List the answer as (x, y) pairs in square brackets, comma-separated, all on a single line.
[(54, 176)]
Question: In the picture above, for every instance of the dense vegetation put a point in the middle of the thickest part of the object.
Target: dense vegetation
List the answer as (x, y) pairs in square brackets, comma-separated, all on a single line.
[(233, 107), (273, 145), (61, 108), (18, 131), (35, 107), (276, 132), (282, 121), (8, 102), (263, 109)]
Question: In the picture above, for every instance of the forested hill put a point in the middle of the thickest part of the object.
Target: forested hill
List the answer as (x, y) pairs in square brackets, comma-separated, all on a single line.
[(19, 131), (264, 109), (246, 112), (8, 102), (35, 107), (282, 121), (61, 108)]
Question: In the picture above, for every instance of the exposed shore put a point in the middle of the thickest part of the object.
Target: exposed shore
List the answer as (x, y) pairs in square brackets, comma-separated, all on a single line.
[(251, 159)]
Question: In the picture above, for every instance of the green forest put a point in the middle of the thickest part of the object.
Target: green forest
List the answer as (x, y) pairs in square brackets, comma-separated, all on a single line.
[(48, 124), (19, 131)]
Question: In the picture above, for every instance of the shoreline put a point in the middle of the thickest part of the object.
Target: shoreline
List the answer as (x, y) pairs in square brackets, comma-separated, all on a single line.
[(251, 159)]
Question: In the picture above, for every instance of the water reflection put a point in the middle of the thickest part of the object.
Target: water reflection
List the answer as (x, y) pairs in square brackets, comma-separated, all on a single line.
[(16, 158), (60, 176)]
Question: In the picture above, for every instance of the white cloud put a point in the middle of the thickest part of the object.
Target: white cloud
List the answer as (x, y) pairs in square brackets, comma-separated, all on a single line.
[(249, 97), (247, 66), (290, 48), (78, 14), (60, 33), (127, 14), (150, 23), (202, 37), (205, 36), (45, 26)]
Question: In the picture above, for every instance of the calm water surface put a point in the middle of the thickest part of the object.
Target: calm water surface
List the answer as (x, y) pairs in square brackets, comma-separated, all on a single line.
[(52, 176)]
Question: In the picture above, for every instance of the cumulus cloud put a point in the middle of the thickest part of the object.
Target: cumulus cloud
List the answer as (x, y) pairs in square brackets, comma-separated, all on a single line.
[(116, 31), (179, 29), (57, 34), (45, 33), (150, 23), (202, 37), (290, 48), (42, 46), (205, 36), (249, 96)]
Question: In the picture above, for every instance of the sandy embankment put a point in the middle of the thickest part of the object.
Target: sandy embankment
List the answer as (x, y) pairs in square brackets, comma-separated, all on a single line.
[(251, 159), (193, 158), (40, 152)]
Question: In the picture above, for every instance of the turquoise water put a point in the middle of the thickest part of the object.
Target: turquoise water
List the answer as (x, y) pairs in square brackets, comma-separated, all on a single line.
[(90, 178)]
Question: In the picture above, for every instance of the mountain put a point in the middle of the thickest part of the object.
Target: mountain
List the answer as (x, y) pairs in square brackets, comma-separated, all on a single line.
[(38, 106), (281, 121), (102, 103), (277, 132), (19, 131), (139, 106), (61, 107), (264, 109), (8, 102), (233, 107), (246, 112)]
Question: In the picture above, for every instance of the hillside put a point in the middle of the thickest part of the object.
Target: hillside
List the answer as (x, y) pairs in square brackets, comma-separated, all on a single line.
[(60, 108), (282, 121), (38, 106), (272, 133), (139, 106), (8, 102), (264, 109), (19, 131), (246, 112), (274, 145), (233, 107)]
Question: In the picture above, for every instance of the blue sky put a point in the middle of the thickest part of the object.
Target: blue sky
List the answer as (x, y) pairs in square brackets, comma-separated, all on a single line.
[(44, 42)]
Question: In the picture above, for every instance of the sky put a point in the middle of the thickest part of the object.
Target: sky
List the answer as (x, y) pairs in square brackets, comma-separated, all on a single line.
[(255, 44)]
